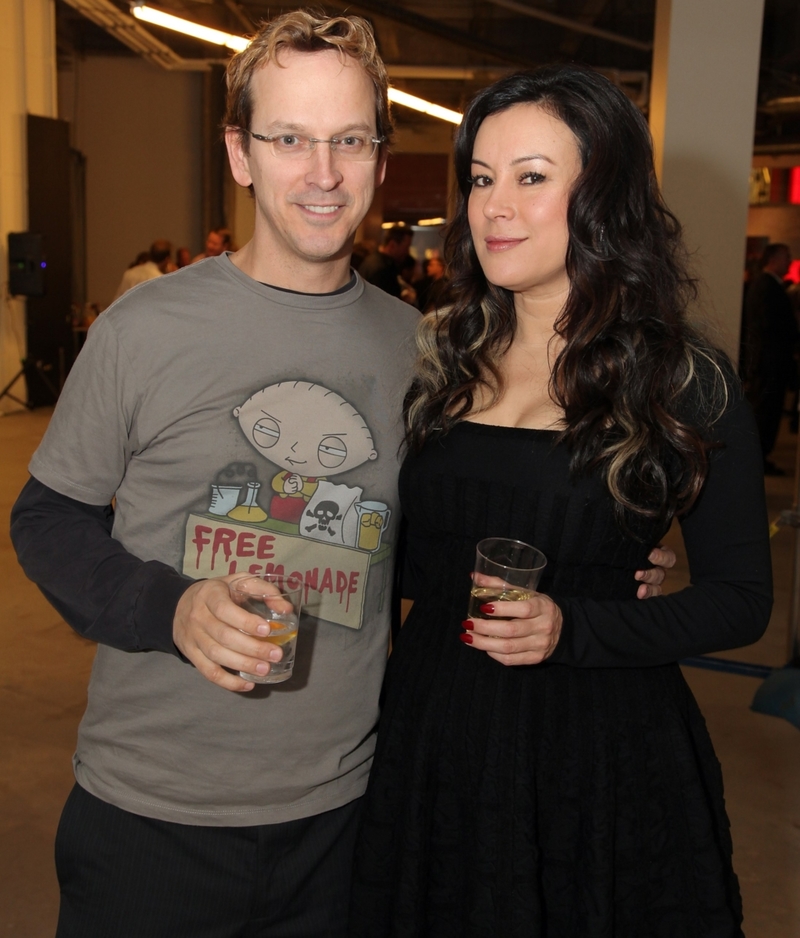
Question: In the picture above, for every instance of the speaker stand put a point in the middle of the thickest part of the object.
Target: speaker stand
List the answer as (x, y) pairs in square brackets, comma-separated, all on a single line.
[(27, 366)]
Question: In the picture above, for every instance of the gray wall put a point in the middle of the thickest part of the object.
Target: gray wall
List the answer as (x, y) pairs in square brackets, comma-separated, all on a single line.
[(140, 129)]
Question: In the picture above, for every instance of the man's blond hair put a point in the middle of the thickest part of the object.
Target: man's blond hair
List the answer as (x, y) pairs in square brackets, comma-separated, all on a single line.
[(304, 31)]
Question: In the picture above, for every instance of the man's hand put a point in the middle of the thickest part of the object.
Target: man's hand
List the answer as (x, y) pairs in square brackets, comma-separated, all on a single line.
[(214, 633), (664, 559)]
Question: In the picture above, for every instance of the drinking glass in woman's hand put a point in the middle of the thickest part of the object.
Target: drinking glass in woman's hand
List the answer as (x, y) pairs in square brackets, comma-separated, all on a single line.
[(505, 569), (507, 618)]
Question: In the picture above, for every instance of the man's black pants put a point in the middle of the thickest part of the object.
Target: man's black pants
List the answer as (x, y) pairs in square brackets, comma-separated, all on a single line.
[(127, 876)]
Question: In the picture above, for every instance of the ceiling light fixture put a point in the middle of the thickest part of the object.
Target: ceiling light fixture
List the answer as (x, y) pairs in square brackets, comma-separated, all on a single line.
[(158, 18), (420, 104)]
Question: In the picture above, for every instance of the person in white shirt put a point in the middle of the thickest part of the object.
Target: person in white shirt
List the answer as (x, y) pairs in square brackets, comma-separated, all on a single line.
[(159, 262)]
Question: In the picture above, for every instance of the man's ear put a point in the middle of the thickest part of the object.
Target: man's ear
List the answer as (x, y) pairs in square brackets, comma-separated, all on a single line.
[(380, 169), (239, 160)]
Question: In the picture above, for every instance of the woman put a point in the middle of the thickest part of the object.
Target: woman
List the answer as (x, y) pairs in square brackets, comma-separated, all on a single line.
[(546, 771)]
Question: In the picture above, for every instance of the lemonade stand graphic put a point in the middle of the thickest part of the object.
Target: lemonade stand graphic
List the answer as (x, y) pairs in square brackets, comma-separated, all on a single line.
[(319, 533)]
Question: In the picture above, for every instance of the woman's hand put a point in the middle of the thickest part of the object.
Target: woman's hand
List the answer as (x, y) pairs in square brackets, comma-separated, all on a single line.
[(527, 632), (523, 632)]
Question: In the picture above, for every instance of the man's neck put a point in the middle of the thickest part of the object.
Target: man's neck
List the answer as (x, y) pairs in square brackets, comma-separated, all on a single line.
[(313, 277)]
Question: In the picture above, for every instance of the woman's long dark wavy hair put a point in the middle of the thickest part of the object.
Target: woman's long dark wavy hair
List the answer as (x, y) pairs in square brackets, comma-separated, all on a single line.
[(629, 354)]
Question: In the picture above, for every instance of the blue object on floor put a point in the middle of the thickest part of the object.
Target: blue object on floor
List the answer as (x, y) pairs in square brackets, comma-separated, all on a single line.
[(779, 695), (728, 665)]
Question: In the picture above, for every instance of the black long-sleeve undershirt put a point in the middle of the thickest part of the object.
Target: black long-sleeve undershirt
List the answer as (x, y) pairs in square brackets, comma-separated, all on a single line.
[(104, 592)]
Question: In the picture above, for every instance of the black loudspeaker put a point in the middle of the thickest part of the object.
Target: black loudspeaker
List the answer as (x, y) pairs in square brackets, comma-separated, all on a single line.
[(26, 264)]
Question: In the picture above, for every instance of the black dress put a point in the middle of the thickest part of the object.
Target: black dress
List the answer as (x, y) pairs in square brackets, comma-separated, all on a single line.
[(581, 797)]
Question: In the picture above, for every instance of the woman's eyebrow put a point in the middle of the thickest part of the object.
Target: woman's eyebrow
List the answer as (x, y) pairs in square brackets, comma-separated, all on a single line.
[(534, 156), (519, 159)]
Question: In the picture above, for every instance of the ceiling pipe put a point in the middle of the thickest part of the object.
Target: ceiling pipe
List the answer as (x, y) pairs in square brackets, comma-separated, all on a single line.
[(447, 72), (125, 28), (425, 24), (575, 26), (236, 8), (589, 13)]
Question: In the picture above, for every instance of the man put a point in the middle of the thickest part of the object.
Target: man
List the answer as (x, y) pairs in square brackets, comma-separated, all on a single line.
[(158, 262), (430, 287), (382, 268), (200, 403), (217, 242), (197, 810), (771, 337)]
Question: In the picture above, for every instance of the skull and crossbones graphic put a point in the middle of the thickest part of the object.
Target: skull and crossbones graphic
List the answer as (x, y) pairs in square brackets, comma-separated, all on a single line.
[(325, 513)]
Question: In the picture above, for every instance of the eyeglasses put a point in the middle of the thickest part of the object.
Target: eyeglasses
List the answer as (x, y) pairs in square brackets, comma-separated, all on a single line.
[(299, 147)]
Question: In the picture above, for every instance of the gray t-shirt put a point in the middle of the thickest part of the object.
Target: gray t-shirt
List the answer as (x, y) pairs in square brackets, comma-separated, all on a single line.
[(241, 428)]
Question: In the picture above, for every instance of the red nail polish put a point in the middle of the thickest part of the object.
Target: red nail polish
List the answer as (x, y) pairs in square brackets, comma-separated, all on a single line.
[(488, 608), (468, 624), (466, 638)]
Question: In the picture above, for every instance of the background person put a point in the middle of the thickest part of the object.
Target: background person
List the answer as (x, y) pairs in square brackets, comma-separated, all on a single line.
[(770, 347), (408, 292), (544, 770), (383, 267), (156, 262), (431, 286), (360, 250), (218, 241)]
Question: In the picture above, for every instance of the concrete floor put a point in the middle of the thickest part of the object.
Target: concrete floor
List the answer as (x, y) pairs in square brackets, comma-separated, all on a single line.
[(45, 668)]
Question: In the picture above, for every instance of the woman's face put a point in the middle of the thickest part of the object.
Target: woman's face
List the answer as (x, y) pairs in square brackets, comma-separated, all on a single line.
[(524, 164)]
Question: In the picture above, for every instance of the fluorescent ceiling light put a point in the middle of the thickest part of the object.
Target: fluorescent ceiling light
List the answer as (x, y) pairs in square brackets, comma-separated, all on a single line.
[(158, 18), (420, 104), (168, 21), (431, 221)]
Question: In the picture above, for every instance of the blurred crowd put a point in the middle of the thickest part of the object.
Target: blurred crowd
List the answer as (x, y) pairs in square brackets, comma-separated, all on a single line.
[(159, 259), (393, 267)]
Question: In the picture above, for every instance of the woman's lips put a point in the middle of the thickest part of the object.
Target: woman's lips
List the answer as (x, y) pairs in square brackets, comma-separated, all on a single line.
[(495, 245)]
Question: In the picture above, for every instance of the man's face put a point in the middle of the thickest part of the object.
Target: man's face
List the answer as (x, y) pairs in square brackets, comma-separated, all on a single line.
[(214, 244), (307, 211), (782, 263), (399, 250), (435, 268)]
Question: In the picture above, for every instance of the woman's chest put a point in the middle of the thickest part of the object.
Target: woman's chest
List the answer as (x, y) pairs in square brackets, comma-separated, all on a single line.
[(483, 481)]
